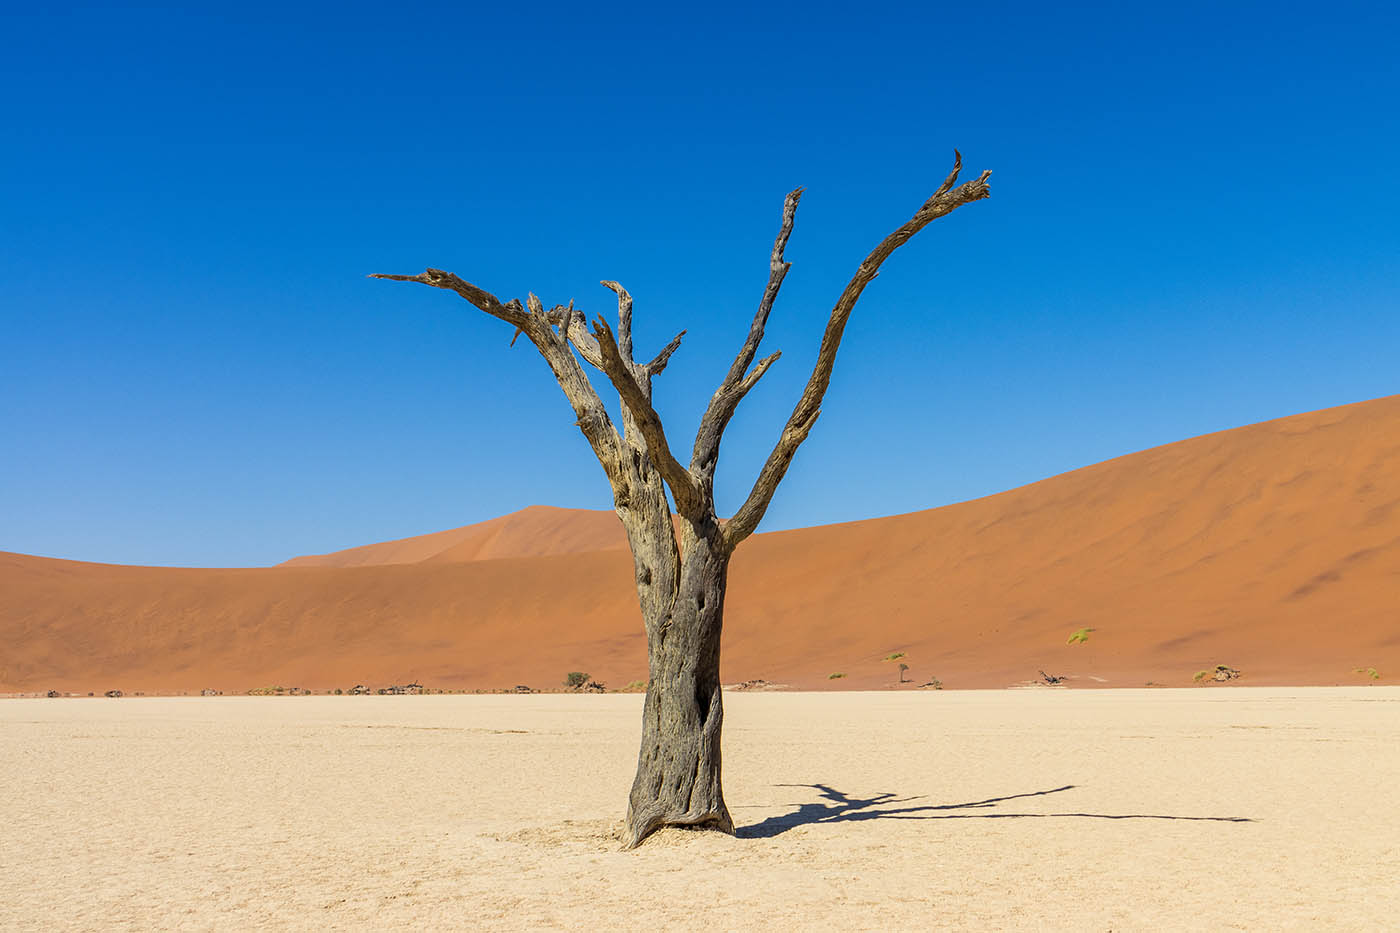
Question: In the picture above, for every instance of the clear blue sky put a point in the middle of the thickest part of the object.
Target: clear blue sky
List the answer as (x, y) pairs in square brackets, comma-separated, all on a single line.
[(1193, 226)]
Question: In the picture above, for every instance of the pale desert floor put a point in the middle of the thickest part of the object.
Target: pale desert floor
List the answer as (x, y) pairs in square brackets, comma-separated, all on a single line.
[(1206, 808)]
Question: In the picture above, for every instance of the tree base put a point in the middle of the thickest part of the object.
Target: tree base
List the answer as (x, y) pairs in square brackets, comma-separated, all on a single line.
[(678, 770), (638, 830)]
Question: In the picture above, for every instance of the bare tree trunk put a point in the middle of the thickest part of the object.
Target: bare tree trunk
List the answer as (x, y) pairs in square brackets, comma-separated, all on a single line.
[(678, 767)]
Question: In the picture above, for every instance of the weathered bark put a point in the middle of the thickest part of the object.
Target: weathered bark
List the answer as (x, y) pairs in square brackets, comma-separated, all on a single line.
[(678, 767), (681, 584)]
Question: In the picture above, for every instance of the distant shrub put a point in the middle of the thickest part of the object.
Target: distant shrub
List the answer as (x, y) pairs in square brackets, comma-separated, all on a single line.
[(837, 676), (894, 657), (337, 691), (1368, 671), (636, 685), (1079, 637), (575, 679), (1222, 672)]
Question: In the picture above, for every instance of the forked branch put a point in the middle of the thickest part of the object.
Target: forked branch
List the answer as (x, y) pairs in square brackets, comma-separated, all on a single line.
[(684, 487), (613, 355), (945, 200), (727, 397), (577, 328)]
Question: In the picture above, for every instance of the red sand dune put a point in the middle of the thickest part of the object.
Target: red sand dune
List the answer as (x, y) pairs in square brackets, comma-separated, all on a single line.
[(1273, 548), (532, 532)]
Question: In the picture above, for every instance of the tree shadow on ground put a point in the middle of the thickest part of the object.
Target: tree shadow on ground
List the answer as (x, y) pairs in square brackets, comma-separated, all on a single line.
[(841, 807)]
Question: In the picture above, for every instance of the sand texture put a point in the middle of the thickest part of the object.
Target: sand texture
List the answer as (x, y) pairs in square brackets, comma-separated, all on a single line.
[(1258, 808), (1274, 549)]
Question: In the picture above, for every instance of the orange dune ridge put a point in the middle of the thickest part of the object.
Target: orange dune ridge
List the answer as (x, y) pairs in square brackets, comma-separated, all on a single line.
[(535, 531), (1273, 549)]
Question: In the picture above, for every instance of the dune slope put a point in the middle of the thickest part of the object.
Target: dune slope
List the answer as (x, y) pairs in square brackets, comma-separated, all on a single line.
[(532, 532), (1273, 548)]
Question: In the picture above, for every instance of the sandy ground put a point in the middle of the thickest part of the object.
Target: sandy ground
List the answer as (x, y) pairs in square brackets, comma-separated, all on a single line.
[(1209, 808)]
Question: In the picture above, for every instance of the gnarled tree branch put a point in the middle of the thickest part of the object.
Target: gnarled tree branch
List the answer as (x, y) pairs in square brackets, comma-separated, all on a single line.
[(726, 399), (945, 200), (658, 362), (684, 488), (624, 318), (755, 374), (511, 312), (592, 416), (575, 324)]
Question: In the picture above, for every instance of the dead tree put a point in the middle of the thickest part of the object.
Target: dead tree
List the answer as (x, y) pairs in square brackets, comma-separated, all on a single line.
[(681, 574)]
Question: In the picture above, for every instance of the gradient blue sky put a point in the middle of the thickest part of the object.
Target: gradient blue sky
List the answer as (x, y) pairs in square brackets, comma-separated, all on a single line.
[(1192, 227)]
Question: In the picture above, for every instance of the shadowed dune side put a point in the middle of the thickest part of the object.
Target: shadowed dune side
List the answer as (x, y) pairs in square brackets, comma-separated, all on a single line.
[(1273, 548)]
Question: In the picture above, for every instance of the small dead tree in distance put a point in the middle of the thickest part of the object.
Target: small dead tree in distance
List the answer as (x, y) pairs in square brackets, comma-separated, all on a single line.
[(681, 583)]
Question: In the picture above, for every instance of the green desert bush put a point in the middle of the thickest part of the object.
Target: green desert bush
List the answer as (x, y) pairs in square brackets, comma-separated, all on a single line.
[(837, 676), (1079, 637), (894, 657), (1368, 671), (575, 679)]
